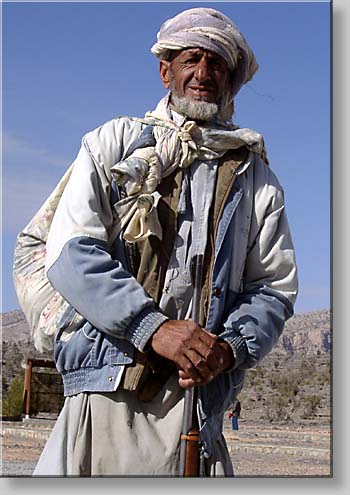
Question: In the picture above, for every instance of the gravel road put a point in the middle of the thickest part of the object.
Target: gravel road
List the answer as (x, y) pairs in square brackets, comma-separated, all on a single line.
[(256, 450), (17, 468)]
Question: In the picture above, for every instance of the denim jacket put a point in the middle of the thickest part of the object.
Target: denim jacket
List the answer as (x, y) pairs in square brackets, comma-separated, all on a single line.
[(253, 282)]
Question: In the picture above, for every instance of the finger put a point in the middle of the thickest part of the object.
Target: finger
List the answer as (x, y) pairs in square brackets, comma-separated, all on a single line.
[(199, 366), (183, 375), (225, 355), (200, 347), (214, 362), (212, 357), (207, 338), (186, 382), (190, 370)]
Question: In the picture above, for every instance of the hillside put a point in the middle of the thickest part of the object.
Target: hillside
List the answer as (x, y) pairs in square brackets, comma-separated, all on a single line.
[(293, 381), (307, 332)]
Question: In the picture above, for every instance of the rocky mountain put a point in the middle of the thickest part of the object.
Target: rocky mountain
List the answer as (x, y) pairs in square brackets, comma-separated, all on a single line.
[(14, 327), (306, 332), (17, 343)]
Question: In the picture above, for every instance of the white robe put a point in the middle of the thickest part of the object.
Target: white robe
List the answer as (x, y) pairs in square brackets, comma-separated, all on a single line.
[(115, 434)]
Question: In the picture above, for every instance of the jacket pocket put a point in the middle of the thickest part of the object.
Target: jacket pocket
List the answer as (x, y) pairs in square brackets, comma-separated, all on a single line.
[(69, 322), (78, 351), (80, 346), (118, 351)]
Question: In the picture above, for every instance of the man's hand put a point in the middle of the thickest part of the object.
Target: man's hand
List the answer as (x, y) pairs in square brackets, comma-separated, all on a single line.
[(197, 353)]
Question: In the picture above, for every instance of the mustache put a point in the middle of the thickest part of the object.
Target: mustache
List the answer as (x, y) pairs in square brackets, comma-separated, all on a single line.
[(201, 86), (225, 103)]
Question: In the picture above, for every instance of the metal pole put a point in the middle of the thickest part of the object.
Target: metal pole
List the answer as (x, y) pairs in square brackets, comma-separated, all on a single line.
[(197, 269)]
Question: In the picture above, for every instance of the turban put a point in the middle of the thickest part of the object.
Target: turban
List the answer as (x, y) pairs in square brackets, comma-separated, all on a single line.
[(209, 29)]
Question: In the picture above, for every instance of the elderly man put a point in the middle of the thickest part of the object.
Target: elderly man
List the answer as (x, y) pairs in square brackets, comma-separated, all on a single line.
[(146, 196)]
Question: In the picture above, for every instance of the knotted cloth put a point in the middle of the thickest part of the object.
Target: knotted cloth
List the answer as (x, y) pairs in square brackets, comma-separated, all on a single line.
[(176, 146), (209, 29)]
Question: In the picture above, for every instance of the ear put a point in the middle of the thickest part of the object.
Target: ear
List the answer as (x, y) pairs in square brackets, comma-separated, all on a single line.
[(164, 71)]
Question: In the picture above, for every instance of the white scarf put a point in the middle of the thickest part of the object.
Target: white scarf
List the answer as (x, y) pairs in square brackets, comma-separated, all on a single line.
[(176, 146)]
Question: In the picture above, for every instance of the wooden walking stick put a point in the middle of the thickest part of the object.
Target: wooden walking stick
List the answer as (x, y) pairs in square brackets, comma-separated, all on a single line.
[(189, 447)]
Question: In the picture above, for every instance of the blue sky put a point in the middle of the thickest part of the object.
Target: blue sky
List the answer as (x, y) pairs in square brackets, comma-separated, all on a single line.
[(68, 67)]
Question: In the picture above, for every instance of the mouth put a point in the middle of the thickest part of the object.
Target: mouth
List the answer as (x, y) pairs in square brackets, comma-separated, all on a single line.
[(202, 92)]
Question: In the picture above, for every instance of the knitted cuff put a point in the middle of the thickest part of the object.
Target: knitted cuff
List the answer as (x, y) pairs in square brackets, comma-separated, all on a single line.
[(143, 327), (239, 349)]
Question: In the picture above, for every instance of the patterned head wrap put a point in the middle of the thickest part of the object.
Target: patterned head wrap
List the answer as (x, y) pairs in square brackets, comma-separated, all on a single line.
[(209, 29)]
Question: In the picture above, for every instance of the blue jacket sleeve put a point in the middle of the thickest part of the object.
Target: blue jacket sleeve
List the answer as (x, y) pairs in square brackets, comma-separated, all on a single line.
[(101, 290), (269, 284), (79, 264)]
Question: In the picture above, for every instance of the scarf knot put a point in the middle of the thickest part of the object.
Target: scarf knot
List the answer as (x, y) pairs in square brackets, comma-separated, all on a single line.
[(176, 146), (189, 149)]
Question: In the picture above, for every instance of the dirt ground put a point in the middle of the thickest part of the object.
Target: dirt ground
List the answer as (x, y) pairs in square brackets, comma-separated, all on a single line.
[(256, 450), (280, 451)]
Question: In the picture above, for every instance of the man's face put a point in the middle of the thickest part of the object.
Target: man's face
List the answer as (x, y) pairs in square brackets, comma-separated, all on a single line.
[(197, 75)]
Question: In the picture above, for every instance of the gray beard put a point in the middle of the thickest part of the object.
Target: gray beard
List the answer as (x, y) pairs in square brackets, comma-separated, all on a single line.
[(194, 109)]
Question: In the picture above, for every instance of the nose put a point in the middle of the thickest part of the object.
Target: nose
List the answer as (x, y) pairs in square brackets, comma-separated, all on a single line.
[(202, 70)]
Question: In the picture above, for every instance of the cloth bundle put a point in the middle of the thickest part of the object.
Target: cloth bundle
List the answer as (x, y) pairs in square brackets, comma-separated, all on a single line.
[(176, 146)]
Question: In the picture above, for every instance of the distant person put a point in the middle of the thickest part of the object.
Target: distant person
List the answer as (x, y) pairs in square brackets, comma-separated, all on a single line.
[(234, 414), (145, 196)]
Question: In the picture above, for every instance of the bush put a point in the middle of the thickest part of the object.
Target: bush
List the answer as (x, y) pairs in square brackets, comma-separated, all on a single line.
[(310, 404), (289, 388), (12, 399)]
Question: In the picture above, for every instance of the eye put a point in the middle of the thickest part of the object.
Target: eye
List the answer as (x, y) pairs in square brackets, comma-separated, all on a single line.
[(217, 63), (191, 59)]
